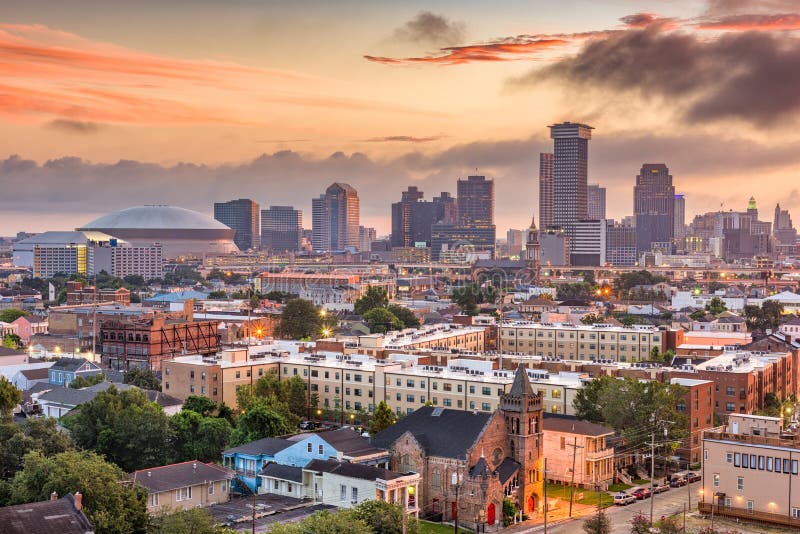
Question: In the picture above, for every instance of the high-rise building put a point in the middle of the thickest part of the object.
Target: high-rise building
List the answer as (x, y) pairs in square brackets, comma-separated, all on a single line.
[(596, 201), (546, 190), (785, 233), (445, 209), (412, 219), (281, 228), (554, 246), (243, 216), (366, 235), (570, 173), (320, 232), (620, 244), (475, 201), (680, 217), (654, 206), (588, 246), (335, 217), (515, 241)]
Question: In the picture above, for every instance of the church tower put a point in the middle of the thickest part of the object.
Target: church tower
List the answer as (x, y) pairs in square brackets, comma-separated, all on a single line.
[(532, 251), (522, 412)]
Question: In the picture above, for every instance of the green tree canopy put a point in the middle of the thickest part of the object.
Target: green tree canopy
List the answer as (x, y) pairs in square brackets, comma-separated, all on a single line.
[(342, 522), (469, 296), (716, 306), (191, 521), (375, 297), (39, 434), (199, 437), (300, 319), (10, 397), (126, 427), (142, 378), (202, 405), (84, 382), (112, 508), (9, 315), (763, 318), (381, 320), (260, 420), (382, 418), (405, 315), (385, 518)]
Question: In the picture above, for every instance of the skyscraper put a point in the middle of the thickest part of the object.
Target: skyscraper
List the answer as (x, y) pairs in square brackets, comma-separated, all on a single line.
[(546, 190), (570, 173), (680, 217), (411, 219), (475, 201), (281, 228), (596, 201), (654, 206), (445, 209), (366, 235), (335, 218), (242, 215)]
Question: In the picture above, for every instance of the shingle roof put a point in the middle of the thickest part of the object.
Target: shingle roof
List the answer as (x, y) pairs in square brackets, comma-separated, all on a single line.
[(450, 434), (347, 469), (74, 397), (169, 477), (348, 442), (570, 424), (258, 447), (35, 374), (68, 364), (46, 517), (283, 472), (480, 468)]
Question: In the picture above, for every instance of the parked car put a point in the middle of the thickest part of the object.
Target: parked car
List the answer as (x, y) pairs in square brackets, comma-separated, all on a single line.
[(640, 493), (693, 477), (661, 488), (307, 425), (623, 499), (677, 481)]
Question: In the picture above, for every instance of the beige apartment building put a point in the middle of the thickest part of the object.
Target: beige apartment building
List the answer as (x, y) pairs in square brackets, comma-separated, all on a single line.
[(183, 486), (356, 382), (750, 470), (568, 442), (581, 342)]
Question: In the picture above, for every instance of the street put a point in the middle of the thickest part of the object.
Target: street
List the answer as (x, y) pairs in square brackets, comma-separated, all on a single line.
[(666, 504)]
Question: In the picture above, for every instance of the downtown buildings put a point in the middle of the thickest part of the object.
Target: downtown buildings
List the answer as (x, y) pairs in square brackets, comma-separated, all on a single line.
[(654, 208), (475, 231), (335, 219), (242, 216), (281, 228)]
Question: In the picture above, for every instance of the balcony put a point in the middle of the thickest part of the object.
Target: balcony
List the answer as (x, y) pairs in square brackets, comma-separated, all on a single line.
[(753, 440), (744, 513)]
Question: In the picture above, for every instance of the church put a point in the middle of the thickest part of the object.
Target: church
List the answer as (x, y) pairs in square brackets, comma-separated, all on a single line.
[(471, 461)]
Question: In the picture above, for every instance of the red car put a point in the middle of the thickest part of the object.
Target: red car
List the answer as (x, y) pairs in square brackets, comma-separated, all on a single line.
[(641, 493)]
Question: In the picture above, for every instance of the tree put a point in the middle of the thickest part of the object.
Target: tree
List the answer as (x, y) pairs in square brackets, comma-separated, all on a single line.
[(597, 524), (9, 315), (190, 521), (294, 395), (640, 524), (469, 296), (766, 317), (199, 437), (84, 382), (12, 341), (260, 421), (10, 397), (142, 378), (112, 508), (375, 297), (267, 385), (591, 318), (405, 315), (716, 306), (697, 315), (202, 405), (385, 518), (39, 434), (217, 295), (300, 319), (715, 286), (343, 522), (382, 418), (126, 427), (381, 320)]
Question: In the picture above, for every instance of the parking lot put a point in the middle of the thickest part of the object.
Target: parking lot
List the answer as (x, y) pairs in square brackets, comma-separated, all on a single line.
[(269, 508)]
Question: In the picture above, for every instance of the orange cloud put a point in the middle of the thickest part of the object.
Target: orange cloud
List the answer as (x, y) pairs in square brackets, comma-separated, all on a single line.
[(457, 55), (786, 21)]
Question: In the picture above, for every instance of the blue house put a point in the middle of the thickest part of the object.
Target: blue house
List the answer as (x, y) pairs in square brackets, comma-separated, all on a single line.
[(66, 370), (249, 460)]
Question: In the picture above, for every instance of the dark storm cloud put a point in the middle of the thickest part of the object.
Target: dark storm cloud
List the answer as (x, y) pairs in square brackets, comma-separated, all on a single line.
[(430, 28), (79, 127), (749, 76)]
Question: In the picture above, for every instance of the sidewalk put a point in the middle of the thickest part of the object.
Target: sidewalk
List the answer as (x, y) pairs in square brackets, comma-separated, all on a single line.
[(554, 517)]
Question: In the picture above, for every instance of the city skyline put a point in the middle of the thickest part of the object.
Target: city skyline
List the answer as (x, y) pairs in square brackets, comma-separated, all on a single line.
[(99, 117)]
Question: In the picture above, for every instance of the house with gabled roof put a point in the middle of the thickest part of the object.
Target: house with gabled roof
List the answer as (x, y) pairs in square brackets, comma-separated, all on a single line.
[(470, 460), (184, 485), (65, 370)]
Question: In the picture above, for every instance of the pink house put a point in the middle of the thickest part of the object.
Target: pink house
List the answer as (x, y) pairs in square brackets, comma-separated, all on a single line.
[(28, 326)]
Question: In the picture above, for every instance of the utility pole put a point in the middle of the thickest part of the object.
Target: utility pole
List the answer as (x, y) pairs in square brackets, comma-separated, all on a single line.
[(575, 448), (545, 495)]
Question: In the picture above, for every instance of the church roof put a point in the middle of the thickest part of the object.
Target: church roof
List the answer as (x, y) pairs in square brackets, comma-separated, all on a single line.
[(522, 384)]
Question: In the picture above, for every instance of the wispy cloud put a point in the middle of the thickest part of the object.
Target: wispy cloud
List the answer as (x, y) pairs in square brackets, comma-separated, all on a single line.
[(79, 127), (403, 139), (753, 22), (458, 55)]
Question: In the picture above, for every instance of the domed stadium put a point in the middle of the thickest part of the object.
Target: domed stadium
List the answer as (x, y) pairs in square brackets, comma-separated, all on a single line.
[(181, 232)]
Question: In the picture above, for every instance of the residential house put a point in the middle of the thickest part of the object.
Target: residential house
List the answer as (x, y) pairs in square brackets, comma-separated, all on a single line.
[(30, 325), (58, 401), (286, 480), (65, 370), (184, 485), (26, 378), (61, 516), (578, 452)]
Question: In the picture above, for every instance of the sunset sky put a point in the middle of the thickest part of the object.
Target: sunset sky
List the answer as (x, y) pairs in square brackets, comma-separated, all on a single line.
[(108, 104)]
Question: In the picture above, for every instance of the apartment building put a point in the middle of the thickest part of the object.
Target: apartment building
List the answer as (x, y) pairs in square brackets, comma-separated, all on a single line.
[(582, 342), (436, 336), (336, 290), (750, 471), (698, 405)]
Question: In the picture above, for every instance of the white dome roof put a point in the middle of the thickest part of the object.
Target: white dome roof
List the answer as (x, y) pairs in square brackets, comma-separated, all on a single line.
[(144, 217)]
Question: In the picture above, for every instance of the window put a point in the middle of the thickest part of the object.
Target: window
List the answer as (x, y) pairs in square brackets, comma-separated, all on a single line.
[(777, 465), (153, 500), (486, 407), (745, 461), (354, 494), (277, 485), (238, 374), (191, 374), (760, 463), (211, 489), (749, 507), (716, 480), (321, 449), (309, 446), (472, 389), (409, 398), (740, 483), (486, 391), (556, 393), (752, 461), (435, 385), (769, 463), (729, 457), (563, 443), (447, 402), (183, 494), (460, 388), (447, 387), (794, 467), (786, 465), (342, 492), (795, 513)]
